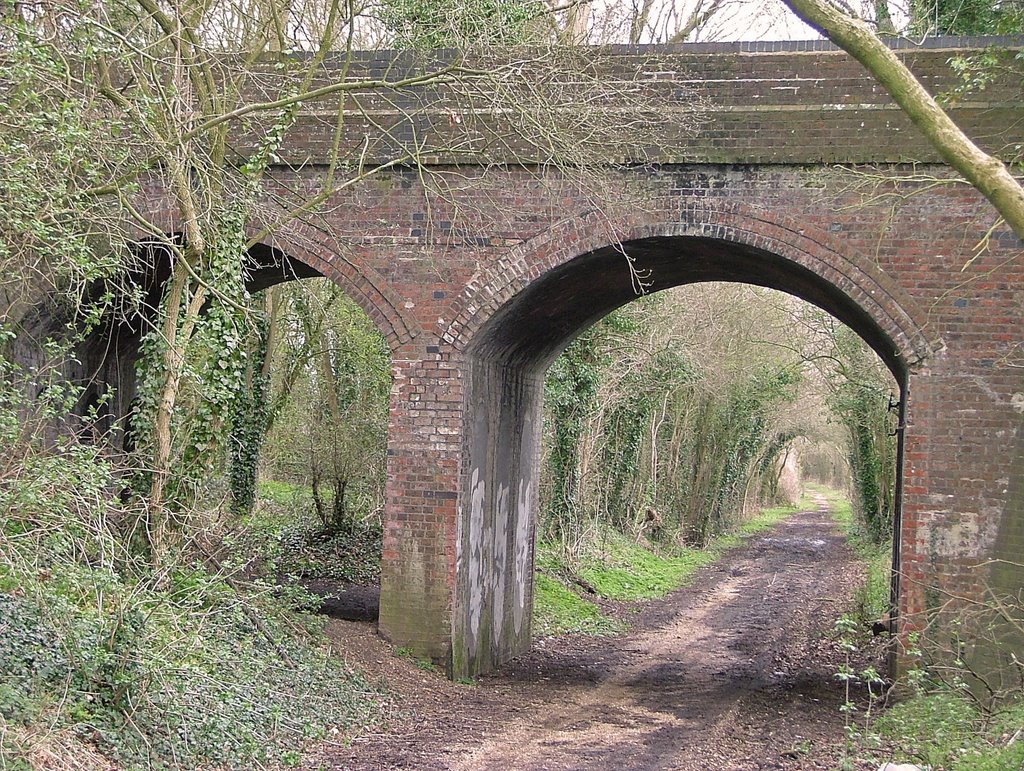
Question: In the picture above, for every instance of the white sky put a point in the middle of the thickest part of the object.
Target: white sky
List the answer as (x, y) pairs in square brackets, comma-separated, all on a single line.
[(733, 19), (763, 20)]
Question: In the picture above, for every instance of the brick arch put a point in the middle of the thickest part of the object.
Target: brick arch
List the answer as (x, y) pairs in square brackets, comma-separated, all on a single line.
[(517, 315), (296, 250), (367, 288), (900, 322), (322, 254)]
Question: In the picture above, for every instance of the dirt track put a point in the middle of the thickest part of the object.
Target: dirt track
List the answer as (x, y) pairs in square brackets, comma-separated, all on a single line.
[(735, 671)]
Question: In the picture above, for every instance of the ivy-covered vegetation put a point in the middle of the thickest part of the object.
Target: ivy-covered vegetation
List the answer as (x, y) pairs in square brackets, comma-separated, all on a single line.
[(458, 23), (861, 398), (137, 630), (965, 17), (664, 436), (194, 666), (144, 621)]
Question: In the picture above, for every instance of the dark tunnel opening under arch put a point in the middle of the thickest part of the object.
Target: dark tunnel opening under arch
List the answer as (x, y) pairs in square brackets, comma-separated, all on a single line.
[(533, 328), (105, 359)]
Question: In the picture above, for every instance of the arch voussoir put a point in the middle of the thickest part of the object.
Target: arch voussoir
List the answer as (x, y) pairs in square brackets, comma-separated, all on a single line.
[(875, 294)]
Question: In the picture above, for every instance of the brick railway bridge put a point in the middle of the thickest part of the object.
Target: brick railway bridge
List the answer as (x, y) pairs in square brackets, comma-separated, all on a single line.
[(799, 174)]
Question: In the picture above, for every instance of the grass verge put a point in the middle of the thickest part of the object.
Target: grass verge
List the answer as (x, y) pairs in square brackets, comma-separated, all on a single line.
[(945, 730), (618, 568), (559, 610), (873, 597)]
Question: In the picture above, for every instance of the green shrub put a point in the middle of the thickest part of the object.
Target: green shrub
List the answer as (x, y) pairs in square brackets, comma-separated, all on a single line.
[(172, 669), (944, 729)]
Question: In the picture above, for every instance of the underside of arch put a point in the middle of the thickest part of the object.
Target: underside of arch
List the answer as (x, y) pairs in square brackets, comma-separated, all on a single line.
[(542, 314), (105, 361)]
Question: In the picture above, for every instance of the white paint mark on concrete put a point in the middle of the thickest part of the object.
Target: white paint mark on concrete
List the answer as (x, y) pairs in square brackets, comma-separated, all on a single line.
[(522, 551), (476, 563), (500, 551)]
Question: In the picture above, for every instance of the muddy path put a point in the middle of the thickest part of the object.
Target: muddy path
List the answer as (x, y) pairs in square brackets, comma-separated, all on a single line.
[(735, 671)]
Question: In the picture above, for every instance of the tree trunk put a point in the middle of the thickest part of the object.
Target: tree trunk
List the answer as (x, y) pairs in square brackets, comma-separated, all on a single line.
[(639, 22), (318, 501), (338, 508), (176, 342), (574, 32)]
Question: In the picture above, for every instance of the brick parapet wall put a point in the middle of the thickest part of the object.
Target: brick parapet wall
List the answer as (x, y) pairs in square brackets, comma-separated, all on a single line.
[(795, 103)]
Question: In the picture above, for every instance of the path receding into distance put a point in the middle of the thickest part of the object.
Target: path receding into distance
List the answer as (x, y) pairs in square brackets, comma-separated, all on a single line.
[(735, 671)]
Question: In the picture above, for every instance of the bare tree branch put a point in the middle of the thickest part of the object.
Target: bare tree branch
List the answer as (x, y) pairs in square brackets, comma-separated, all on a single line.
[(987, 174)]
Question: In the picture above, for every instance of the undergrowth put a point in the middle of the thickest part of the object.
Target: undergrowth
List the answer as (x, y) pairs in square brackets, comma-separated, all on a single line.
[(944, 730), (194, 674), (108, 661), (283, 538)]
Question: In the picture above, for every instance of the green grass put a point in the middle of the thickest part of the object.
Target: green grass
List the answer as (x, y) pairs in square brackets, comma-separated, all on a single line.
[(283, 493), (873, 596), (620, 569), (768, 518), (628, 571), (945, 730), (557, 610)]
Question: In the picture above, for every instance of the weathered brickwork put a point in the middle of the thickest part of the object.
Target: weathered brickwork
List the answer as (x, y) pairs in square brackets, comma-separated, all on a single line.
[(478, 275), (754, 102)]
